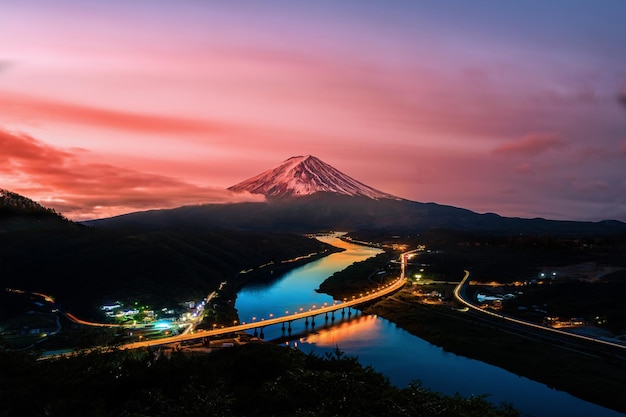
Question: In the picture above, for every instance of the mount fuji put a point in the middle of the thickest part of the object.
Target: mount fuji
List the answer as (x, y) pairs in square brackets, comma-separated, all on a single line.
[(306, 175), (304, 194)]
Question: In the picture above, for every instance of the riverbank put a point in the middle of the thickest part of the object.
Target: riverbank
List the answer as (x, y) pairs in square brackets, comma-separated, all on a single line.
[(597, 380)]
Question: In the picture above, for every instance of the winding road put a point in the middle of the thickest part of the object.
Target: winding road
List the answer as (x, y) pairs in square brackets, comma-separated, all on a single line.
[(459, 293)]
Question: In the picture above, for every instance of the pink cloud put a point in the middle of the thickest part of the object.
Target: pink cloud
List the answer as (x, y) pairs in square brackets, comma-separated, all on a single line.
[(44, 109), (60, 179), (24, 147), (531, 145)]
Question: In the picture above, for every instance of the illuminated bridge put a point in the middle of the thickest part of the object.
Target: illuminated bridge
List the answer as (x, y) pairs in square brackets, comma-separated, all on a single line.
[(257, 326), (326, 311)]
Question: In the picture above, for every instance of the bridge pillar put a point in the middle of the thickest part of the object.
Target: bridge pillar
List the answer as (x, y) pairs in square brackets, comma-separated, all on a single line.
[(306, 321), (326, 318), (343, 312), (313, 321), (262, 335), (256, 333)]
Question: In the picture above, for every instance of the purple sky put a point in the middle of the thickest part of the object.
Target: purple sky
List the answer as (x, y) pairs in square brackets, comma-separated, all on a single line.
[(495, 106)]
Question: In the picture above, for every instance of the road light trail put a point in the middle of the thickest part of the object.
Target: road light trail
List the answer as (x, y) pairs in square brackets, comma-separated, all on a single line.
[(459, 297)]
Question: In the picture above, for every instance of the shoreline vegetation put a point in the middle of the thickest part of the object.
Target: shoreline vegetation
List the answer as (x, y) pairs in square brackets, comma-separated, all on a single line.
[(598, 380)]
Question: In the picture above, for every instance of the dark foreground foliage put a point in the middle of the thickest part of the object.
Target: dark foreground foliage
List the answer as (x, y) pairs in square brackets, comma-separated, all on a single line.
[(251, 380)]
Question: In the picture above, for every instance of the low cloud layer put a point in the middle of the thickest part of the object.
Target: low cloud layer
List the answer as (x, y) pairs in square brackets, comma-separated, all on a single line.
[(79, 189)]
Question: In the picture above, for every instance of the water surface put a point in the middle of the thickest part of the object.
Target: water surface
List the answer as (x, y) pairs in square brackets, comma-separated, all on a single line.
[(391, 350)]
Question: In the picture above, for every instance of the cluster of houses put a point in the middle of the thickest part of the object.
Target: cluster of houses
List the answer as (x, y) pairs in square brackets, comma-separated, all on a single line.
[(136, 313), (557, 322)]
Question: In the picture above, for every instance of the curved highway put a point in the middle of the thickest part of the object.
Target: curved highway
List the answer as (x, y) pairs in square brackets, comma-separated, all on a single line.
[(459, 296)]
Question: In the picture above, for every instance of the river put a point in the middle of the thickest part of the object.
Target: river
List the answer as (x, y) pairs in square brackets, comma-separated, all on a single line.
[(393, 351)]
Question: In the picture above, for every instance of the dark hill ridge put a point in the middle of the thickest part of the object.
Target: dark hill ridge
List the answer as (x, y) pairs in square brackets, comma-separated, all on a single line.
[(18, 212), (13, 203), (304, 194), (330, 211)]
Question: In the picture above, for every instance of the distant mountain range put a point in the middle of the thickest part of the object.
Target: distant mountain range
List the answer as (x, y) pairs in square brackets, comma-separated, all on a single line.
[(304, 194)]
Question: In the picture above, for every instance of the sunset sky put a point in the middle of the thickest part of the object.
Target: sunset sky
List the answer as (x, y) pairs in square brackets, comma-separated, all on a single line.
[(518, 108)]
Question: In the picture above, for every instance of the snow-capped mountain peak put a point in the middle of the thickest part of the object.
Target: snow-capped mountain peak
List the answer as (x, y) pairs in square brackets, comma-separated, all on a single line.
[(305, 175)]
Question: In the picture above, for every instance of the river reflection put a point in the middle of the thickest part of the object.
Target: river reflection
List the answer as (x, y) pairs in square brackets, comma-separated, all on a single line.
[(362, 330), (390, 350), (296, 289)]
